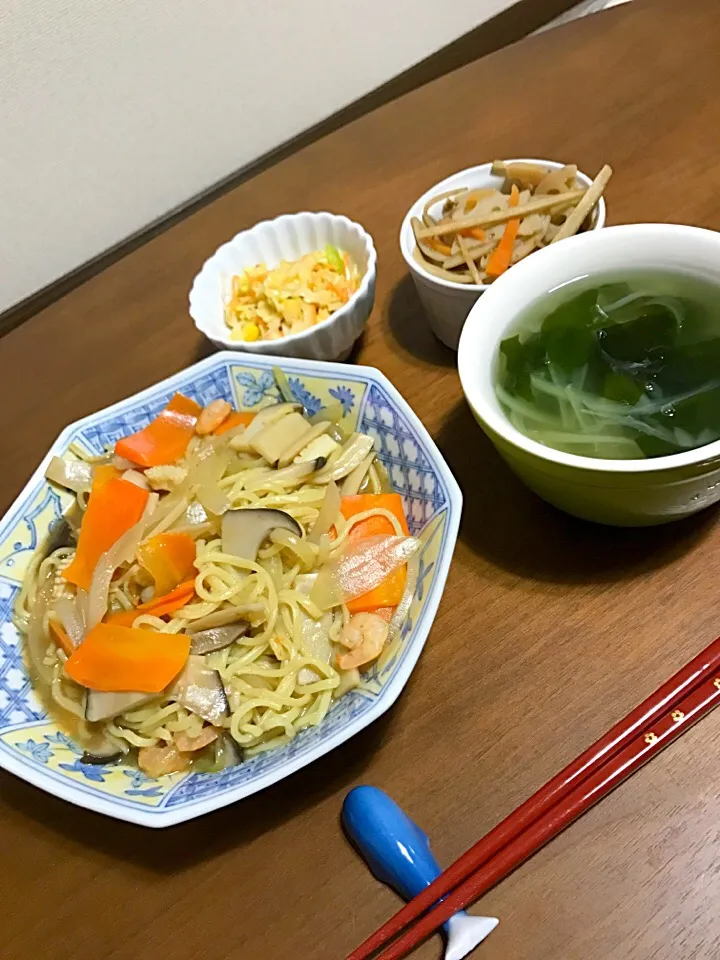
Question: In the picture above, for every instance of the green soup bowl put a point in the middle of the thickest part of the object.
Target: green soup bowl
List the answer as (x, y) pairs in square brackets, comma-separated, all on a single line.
[(619, 492)]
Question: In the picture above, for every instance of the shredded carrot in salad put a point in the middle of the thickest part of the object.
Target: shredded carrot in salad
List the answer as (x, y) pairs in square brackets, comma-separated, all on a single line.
[(267, 304)]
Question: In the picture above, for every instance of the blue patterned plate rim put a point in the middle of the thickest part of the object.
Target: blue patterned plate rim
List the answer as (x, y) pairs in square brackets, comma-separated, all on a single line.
[(370, 706)]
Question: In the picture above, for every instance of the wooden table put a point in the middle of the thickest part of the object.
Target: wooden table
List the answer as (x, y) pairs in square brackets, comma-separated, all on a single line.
[(550, 628)]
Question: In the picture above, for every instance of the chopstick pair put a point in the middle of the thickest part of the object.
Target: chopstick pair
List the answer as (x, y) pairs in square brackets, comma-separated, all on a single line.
[(664, 716)]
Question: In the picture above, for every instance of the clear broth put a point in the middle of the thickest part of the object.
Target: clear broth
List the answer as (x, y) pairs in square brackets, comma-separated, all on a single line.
[(622, 366)]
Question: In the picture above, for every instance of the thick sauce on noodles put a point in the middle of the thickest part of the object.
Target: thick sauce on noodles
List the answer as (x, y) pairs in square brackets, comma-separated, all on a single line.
[(275, 630)]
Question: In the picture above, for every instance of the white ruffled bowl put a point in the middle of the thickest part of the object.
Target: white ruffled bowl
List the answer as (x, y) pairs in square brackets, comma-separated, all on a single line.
[(287, 238)]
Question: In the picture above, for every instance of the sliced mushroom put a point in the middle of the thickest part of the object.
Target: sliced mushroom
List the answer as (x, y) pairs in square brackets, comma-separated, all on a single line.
[(216, 638), (243, 531), (104, 754), (201, 690), (104, 705), (61, 534), (233, 753)]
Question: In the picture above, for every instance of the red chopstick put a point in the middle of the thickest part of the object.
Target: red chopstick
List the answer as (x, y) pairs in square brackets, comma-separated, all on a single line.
[(639, 751), (584, 766)]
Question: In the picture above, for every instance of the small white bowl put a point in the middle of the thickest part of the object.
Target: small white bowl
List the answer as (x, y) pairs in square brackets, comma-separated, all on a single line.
[(618, 492), (287, 238), (447, 304)]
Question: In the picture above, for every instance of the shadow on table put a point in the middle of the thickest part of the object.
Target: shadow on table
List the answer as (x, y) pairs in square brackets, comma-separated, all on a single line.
[(513, 528), (204, 348), (409, 326), (175, 849)]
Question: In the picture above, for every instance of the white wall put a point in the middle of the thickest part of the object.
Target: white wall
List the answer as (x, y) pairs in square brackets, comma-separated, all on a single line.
[(112, 112)]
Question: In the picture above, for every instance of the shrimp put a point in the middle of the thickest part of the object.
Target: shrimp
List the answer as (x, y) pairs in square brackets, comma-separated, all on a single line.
[(214, 414), (364, 636), (186, 744)]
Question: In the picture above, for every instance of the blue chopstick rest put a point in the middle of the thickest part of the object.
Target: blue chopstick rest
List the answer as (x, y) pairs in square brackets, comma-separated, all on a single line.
[(398, 853)]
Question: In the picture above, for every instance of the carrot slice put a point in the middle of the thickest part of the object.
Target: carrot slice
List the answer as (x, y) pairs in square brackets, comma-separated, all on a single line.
[(169, 559), (61, 638), (158, 607), (112, 509), (389, 593), (240, 418), (113, 657), (102, 475), (165, 440), (499, 259)]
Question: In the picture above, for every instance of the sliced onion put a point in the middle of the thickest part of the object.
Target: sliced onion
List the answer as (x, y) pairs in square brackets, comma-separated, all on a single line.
[(305, 553), (350, 457), (195, 521), (134, 476), (195, 513), (212, 497), (283, 385), (328, 513), (362, 566), (122, 551), (37, 641), (333, 412), (71, 618), (290, 476), (353, 481), (211, 465), (75, 475), (403, 608)]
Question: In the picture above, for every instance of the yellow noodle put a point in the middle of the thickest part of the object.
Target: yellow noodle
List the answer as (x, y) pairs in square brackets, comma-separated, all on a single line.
[(261, 669)]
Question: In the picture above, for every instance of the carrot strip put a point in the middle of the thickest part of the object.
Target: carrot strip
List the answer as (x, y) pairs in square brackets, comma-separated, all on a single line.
[(113, 657), (441, 247), (112, 509), (61, 638), (159, 607), (474, 233), (165, 440), (239, 418), (169, 559), (499, 259), (389, 593)]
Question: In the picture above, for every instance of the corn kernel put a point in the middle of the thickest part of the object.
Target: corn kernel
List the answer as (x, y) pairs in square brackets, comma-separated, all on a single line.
[(251, 332)]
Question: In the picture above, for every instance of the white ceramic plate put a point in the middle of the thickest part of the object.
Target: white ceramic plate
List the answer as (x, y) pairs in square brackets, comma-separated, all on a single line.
[(32, 746)]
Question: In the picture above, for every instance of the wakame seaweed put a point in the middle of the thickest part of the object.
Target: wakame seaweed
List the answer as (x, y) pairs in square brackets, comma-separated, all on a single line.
[(624, 368)]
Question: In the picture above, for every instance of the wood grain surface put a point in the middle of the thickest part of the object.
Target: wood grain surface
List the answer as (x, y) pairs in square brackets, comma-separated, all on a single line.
[(550, 628)]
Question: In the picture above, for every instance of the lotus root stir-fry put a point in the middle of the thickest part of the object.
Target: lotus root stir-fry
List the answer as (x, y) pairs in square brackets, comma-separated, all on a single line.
[(222, 578), (474, 235)]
